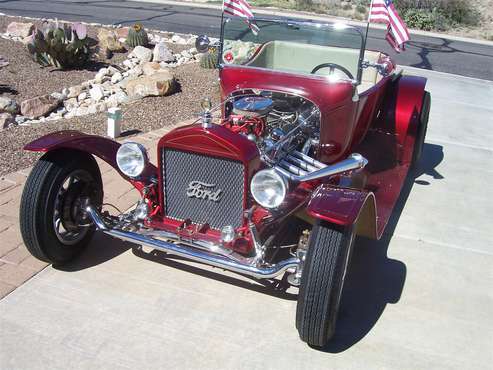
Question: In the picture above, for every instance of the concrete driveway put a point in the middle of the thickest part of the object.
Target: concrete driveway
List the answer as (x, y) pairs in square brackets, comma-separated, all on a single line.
[(420, 298)]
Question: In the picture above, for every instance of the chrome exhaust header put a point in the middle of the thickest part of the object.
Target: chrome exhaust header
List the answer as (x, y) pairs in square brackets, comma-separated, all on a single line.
[(197, 251), (299, 167)]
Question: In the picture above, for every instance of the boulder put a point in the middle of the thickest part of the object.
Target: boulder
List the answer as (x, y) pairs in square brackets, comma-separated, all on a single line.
[(39, 106), (158, 84), (6, 119), (108, 40), (142, 53), (162, 53), (8, 105), (149, 68), (20, 29)]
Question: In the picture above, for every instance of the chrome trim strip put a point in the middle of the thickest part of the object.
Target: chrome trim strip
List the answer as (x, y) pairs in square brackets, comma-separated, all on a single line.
[(190, 250)]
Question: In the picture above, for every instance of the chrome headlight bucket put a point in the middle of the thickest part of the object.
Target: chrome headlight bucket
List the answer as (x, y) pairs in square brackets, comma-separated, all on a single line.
[(268, 188), (131, 159)]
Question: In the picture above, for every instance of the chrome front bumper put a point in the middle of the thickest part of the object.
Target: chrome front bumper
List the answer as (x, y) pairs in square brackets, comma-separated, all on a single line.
[(197, 251)]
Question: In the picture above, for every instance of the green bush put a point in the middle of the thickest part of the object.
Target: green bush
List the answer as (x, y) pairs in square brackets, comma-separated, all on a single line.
[(439, 15)]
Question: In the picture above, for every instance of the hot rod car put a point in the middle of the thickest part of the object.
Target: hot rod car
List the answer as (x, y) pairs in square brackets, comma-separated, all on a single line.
[(309, 147)]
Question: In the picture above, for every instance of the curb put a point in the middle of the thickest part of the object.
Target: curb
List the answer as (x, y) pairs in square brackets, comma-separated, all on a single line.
[(304, 15)]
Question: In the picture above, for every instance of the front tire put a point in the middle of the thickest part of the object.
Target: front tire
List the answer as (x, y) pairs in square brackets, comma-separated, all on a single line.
[(52, 225), (322, 282)]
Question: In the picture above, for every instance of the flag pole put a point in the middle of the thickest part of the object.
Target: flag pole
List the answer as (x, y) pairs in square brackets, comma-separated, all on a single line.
[(368, 21), (362, 54)]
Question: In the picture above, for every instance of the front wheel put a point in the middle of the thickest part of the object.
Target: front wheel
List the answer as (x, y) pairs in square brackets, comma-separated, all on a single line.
[(53, 225), (322, 282)]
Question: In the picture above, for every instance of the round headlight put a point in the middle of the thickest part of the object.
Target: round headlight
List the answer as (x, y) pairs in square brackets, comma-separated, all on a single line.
[(268, 188), (131, 159)]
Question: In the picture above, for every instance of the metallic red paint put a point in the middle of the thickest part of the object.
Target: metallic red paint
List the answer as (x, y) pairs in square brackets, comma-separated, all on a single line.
[(334, 100), (97, 145)]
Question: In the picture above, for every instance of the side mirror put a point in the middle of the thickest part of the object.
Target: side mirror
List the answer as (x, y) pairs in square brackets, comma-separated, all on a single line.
[(202, 43)]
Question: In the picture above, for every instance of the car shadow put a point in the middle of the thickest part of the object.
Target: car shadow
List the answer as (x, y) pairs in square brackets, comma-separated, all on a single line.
[(101, 249), (375, 280)]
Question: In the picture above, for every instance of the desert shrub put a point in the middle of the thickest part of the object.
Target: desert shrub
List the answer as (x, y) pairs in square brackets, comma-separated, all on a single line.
[(441, 14)]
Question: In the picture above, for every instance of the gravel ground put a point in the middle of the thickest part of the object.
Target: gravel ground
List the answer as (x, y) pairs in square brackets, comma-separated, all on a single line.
[(142, 116), (24, 79)]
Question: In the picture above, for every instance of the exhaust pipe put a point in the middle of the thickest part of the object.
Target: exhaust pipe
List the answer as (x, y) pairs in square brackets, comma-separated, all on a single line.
[(194, 253)]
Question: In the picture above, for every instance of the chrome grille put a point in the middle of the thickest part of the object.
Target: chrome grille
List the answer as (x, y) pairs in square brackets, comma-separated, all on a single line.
[(182, 168)]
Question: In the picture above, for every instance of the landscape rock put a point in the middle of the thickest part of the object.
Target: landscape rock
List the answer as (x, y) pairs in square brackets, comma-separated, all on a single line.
[(136, 71), (20, 119), (162, 53), (96, 93), (121, 97), (112, 70), (8, 105), (121, 32), (117, 77), (81, 111), (108, 40), (58, 96), (142, 53), (74, 91), (39, 106), (128, 63), (18, 29), (149, 68), (158, 84), (6, 119), (178, 39), (82, 96), (70, 103)]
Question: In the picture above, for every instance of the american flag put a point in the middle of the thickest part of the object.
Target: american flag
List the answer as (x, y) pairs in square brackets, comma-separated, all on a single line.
[(241, 8), (383, 11)]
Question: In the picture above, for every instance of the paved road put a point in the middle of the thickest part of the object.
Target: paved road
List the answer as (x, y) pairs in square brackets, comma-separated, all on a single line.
[(433, 53), (420, 298)]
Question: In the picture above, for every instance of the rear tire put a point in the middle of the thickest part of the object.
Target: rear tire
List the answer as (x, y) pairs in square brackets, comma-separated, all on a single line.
[(422, 128), (325, 267), (49, 216)]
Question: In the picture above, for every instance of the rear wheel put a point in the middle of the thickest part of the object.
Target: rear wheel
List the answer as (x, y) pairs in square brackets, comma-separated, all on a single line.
[(53, 225), (422, 128), (325, 268)]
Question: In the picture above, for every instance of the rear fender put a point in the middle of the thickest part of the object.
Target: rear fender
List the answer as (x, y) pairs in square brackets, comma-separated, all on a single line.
[(92, 144), (405, 101), (345, 207)]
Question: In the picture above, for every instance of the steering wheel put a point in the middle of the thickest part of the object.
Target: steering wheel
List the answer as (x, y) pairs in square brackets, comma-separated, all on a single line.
[(333, 66)]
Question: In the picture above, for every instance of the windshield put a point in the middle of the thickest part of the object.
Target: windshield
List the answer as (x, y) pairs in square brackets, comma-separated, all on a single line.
[(291, 46)]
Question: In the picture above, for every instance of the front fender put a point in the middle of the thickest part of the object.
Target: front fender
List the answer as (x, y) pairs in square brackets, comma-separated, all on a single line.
[(345, 207), (99, 146)]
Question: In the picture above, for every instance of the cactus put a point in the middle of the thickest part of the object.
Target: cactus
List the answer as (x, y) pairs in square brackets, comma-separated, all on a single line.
[(137, 36), (60, 47), (209, 60)]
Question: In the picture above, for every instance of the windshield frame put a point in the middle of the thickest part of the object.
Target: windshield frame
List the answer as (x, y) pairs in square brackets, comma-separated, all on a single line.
[(335, 26)]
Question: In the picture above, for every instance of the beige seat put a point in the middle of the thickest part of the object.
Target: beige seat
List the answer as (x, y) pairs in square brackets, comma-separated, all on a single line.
[(303, 58)]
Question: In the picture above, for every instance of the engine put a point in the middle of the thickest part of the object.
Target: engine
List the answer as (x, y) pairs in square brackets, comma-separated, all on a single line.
[(278, 123)]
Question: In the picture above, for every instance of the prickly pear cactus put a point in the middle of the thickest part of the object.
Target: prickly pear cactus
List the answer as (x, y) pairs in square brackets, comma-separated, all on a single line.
[(137, 36), (209, 60), (60, 47)]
